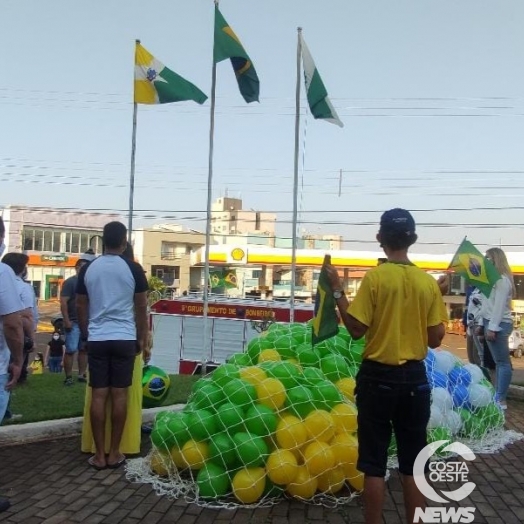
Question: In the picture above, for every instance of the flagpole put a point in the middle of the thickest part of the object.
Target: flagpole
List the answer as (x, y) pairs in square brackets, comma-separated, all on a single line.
[(295, 181), (207, 355), (132, 174)]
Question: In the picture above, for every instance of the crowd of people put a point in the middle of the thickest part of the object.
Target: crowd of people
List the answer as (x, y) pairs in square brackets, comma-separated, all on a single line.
[(104, 309), (399, 308)]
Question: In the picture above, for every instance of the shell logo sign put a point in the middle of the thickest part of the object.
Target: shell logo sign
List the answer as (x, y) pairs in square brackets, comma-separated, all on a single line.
[(237, 255)]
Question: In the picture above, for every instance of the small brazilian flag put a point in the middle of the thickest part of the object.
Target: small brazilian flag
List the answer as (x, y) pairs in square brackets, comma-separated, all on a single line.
[(227, 45), (325, 321), (474, 267)]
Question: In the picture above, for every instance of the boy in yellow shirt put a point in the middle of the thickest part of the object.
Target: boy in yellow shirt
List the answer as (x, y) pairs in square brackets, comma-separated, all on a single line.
[(400, 309)]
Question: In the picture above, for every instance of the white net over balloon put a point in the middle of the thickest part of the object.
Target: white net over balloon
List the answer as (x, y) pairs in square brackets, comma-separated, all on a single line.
[(280, 420)]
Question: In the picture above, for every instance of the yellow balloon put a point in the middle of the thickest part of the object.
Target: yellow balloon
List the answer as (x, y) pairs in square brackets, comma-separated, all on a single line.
[(248, 484), (354, 477), (320, 425), (291, 433), (282, 466), (304, 485), (159, 464), (345, 448), (271, 392), (347, 387), (269, 355), (252, 374), (319, 458), (194, 454), (332, 481), (345, 417), (177, 457)]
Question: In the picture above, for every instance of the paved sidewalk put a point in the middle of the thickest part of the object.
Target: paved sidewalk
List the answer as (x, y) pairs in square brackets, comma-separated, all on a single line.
[(50, 482)]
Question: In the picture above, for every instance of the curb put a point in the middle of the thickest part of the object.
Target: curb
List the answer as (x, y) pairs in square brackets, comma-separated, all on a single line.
[(30, 432), (516, 392)]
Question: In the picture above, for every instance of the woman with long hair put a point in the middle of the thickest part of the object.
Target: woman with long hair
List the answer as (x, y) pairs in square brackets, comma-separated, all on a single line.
[(498, 323)]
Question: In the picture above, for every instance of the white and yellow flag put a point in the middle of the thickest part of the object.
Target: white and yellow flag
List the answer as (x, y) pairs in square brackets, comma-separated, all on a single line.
[(156, 84)]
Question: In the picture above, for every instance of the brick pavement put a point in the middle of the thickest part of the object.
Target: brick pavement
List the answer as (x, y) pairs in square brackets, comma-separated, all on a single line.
[(50, 482)]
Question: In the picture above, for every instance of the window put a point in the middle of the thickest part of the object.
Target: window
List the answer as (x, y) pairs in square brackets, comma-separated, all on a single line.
[(48, 240), (256, 273), (39, 240), (75, 242), (84, 242), (56, 242), (68, 242), (257, 221), (27, 239)]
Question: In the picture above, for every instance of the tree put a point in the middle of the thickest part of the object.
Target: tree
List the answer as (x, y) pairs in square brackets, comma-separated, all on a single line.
[(156, 284)]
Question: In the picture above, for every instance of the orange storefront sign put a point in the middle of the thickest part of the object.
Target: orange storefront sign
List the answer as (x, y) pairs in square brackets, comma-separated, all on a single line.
[(52, 260)]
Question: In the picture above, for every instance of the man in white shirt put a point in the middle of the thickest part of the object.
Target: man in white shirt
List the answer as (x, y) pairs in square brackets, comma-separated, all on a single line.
[(11, 336), (111, 301)]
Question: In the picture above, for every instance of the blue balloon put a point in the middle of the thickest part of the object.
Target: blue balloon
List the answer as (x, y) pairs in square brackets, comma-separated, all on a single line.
[(460, 395), (430, 358), (437, 379), (460, 376)]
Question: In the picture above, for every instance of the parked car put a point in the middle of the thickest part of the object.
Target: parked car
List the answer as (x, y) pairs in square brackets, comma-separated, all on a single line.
[(516, 343)]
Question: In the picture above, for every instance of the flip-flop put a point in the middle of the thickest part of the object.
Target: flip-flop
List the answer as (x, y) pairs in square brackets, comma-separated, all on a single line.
[(94, 465), (116, 465)]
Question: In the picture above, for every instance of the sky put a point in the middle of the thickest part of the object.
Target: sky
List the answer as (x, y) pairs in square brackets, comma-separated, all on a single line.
[(431, 95)]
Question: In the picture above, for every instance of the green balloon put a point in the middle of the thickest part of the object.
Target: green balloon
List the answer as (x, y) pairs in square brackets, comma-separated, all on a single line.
[(230, 418), (440, 433), (300, 401), (392, 448), (201, 382), (201, 424), (256, 346), (177, 430), (285, 345), (222, 451), (312, 375), (286, 372), (334, 367), (224, 373), (326, 395), (261, 420), (158, 438), (251, 449), (307, 356), (212, 481), (208, 396), (343, 334), (240, 392), (240, 359)]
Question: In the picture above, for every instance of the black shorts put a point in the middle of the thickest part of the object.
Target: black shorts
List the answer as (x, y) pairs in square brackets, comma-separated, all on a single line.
[(391, 398), (111, 363)]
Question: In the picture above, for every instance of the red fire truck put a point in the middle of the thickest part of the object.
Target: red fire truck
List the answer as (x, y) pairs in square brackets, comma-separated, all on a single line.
[(180, 343)]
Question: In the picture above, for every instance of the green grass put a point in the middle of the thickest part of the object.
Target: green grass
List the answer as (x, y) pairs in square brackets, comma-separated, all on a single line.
[(44, 397)]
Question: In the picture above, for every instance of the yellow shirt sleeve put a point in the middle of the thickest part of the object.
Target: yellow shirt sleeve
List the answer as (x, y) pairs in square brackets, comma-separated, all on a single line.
[(362, 306), (437, 313)]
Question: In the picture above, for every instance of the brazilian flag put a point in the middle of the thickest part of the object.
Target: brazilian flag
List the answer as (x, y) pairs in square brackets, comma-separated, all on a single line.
[(227, 45), (325, 321), (470, 263)]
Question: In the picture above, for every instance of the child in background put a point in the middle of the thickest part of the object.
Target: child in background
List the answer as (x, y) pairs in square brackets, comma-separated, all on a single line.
[(37, 366), (54, 354)]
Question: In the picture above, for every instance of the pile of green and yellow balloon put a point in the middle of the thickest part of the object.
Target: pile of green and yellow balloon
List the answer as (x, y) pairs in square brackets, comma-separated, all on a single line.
[(278, 418)]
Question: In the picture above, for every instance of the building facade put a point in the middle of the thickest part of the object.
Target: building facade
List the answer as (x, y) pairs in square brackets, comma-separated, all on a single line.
[(164, 251), (53, 240)]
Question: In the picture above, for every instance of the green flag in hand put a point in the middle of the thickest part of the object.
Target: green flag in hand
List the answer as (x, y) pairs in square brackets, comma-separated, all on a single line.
[(474, 267), (227, 45), (325, 322)]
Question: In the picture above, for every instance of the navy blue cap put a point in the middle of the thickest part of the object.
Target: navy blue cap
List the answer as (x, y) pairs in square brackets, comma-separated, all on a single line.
[(397, 221)]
